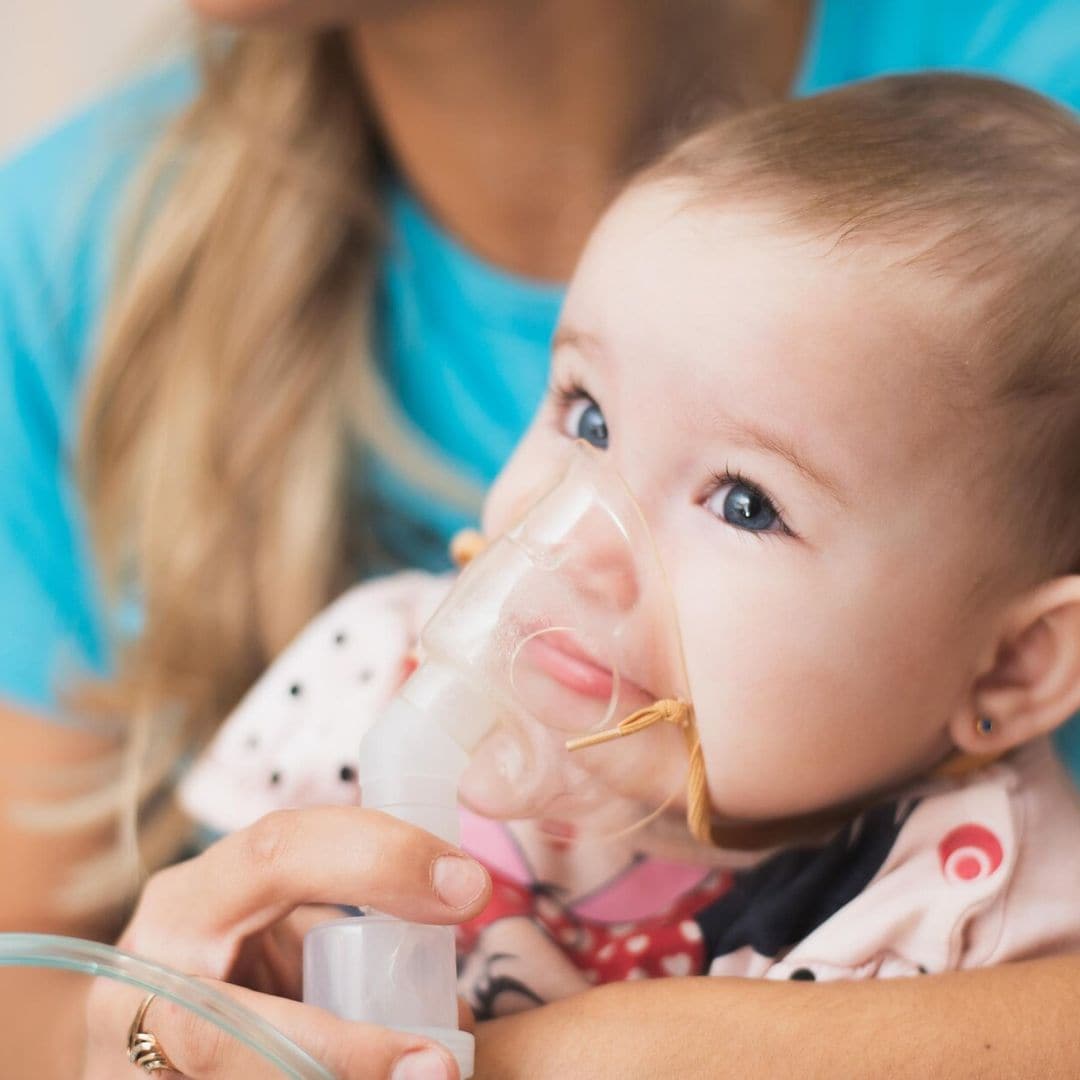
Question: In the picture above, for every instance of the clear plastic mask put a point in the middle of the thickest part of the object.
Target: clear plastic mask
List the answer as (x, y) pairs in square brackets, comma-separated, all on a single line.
[(565, 625)]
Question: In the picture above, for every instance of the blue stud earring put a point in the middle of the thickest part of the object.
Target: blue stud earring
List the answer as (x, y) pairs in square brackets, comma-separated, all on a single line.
[(985, 725)]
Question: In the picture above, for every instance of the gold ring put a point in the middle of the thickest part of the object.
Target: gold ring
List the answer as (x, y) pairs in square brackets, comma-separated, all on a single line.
[(144, 1049)]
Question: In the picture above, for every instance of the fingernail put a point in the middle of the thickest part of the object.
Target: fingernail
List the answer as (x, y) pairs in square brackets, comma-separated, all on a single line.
[(421, 1065), (457, 880)]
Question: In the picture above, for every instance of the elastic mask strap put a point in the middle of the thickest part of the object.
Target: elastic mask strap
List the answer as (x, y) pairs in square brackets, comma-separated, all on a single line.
[(960, 764), (749, 836), (681, 714)]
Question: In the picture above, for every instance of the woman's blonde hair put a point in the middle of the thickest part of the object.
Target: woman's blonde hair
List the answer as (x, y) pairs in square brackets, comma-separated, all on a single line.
[(212, 451)]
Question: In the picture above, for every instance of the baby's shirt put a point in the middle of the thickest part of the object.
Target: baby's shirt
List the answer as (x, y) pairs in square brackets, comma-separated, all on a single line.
[(957, 874), (953, 874), (295, 738)]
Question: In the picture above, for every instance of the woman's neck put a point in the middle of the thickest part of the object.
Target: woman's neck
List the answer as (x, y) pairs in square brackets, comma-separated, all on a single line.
[(517, 122)]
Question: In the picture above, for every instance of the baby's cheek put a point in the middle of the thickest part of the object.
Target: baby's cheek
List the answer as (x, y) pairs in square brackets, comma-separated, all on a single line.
[(740, 670), (766, 753), (788, 714)]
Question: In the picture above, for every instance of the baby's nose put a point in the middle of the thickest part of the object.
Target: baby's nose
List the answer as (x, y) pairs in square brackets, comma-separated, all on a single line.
[(600, 568)]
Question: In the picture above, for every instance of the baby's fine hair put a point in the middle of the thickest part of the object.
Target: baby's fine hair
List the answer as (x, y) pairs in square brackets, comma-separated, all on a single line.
[(975, 180)]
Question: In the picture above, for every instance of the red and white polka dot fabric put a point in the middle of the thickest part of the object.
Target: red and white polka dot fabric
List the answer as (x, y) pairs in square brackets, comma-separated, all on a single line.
[(669, 943)]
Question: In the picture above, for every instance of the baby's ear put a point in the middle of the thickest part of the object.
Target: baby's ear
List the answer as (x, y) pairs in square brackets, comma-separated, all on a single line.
[(1032, 684)]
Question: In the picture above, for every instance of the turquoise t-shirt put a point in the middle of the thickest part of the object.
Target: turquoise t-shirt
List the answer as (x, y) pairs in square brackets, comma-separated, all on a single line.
[(462, 346), (1032, 42)]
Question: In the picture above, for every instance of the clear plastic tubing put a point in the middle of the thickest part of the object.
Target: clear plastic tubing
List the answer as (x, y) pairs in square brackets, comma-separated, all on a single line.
[(104, 961)]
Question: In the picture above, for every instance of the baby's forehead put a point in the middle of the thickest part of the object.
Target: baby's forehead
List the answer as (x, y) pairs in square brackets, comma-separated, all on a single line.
[(681, 266), (724, 307)]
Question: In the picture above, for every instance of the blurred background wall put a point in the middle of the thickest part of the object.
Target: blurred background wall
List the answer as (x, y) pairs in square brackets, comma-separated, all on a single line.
[(58, 54)]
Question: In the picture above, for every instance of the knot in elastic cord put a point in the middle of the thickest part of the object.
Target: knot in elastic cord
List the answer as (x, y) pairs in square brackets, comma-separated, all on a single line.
[(681, 714)]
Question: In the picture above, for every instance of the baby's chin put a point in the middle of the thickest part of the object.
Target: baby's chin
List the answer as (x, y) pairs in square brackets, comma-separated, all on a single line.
[(772, 817)]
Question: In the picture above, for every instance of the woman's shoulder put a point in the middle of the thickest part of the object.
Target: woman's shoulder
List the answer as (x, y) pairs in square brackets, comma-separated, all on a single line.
[(107, 133), (60, 200), (1032, 42)]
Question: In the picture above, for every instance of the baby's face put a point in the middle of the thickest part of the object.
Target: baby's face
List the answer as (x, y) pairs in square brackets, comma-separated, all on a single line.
[(791, 422)]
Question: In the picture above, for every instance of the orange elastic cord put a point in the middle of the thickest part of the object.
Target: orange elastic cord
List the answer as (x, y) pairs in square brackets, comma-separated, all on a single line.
[(681, 714), (465, 546), (960, 764), (748, 836)]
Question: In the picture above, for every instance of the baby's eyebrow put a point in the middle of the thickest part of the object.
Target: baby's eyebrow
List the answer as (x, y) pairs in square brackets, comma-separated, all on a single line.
[(567, 336), (772, 442)]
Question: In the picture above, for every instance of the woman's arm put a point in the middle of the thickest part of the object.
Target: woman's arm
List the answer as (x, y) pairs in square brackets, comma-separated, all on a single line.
[(34, 866), (1018, 1020), (37, 861)]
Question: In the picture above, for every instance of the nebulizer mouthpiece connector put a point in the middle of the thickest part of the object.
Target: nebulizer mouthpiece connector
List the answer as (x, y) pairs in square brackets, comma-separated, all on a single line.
[(412, 760), (561, 629)]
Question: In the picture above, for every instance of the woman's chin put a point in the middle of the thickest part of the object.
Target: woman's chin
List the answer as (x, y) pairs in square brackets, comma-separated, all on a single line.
[(302, 13)]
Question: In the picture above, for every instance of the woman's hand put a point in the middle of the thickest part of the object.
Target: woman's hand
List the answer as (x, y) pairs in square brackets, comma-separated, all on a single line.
[(237, 914)]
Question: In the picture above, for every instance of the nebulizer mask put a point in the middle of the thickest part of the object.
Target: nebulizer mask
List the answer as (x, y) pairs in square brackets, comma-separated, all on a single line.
[(555, 641)]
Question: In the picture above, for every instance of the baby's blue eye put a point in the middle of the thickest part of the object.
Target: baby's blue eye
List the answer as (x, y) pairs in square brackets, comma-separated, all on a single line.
[(743, 506), (584, 420)]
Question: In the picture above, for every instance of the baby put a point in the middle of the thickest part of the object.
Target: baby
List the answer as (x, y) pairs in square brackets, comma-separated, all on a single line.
[(833, 349)]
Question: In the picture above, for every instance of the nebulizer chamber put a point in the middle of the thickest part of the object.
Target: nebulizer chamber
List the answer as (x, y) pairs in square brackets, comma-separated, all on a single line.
[(560, 629)]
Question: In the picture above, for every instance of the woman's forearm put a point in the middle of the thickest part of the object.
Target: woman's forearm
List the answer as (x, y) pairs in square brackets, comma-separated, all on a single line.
[(42, 1012), (42, 1018), (1017, 1020)]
